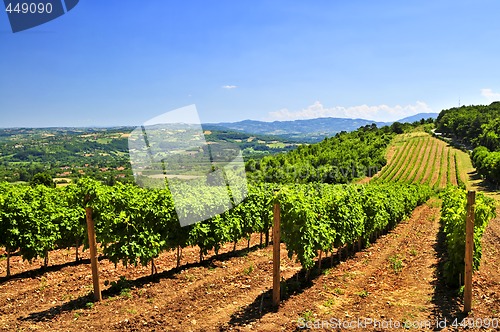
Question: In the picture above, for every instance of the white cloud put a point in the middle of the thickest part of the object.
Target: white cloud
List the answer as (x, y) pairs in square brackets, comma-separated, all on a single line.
[(490, 95), (229, 87), (383, 113)]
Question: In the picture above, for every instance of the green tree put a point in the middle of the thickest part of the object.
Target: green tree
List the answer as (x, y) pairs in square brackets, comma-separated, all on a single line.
[(43, 179)]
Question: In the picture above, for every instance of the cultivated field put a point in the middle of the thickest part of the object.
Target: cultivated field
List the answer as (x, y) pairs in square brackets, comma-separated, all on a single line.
[(396, 279), (420, 158)]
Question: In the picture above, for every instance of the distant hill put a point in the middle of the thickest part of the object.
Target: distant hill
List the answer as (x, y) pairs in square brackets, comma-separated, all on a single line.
[(418, 117), (102, 153), (312, 130)]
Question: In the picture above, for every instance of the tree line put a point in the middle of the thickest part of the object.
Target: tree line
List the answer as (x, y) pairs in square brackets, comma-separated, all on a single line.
[(479, 128)]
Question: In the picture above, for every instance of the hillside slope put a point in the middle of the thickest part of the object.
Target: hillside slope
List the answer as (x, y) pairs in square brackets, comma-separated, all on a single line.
[(420, 158)]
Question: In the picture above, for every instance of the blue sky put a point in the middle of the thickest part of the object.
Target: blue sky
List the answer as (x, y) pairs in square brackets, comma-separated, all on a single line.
[(115, 62)]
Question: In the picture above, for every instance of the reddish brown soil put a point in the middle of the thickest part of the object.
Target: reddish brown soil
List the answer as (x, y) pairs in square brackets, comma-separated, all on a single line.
[(194, 297), (364, 180), (426, 157), (417, 162), (486, 282), (434, 176), (405, 162), (432, 156), (393, 154), (232, 291), (367, 285)]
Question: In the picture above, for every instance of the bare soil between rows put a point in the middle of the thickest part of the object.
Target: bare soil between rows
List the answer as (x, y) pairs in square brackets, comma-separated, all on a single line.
[(396, 279)]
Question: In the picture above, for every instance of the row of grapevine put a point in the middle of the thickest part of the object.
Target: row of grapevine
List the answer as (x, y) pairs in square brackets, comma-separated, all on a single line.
[(426, 174), (322, 217), (405, 161), (390, 168), (460, 182), (411, 161), (134, 225), (453, 217), (35, 220), (400, 158), (421, 159)]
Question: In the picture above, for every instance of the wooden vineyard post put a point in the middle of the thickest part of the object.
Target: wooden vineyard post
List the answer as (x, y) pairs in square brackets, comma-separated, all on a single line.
[(179, 254), (8, 262), (93, 253), (469, 250), (276, 255)]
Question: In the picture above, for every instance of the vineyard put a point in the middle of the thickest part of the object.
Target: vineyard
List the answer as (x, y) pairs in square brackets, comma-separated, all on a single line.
[(453, 217), (420, 158), (159, 275), (478, 128), (135, 225)]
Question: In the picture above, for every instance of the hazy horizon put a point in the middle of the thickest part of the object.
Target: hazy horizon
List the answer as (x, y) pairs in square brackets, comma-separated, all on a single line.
[(203, 123)]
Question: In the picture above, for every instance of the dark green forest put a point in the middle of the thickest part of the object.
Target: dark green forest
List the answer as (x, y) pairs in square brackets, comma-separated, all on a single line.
[(478, 128), (338, 159)]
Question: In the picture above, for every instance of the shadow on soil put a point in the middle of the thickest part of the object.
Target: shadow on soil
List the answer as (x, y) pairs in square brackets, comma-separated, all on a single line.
[(447, 304), (123, 286), (483, 184), (42, 270), (289, 287)]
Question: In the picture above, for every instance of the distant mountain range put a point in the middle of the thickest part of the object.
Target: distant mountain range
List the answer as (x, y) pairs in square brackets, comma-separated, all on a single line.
[(312, 130), (418, 117)]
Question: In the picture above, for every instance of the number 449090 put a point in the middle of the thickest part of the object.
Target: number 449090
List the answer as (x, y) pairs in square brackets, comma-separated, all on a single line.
[(31, 8)]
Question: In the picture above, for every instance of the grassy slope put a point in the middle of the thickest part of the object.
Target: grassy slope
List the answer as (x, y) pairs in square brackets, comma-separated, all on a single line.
[(421, 158)]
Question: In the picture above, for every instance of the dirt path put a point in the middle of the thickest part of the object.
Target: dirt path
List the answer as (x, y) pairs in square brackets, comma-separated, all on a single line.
[(466, 171), (397, 279), (190, 298), (393, 279), (233, 292), (486, 282)]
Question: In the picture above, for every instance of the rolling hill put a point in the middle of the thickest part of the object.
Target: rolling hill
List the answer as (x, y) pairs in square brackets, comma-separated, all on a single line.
[(418, 117), (310, 130)]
